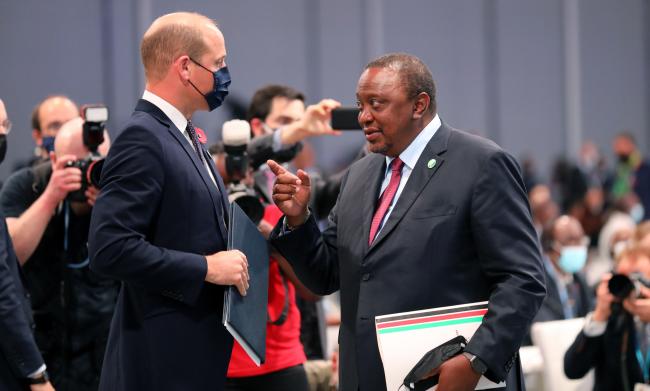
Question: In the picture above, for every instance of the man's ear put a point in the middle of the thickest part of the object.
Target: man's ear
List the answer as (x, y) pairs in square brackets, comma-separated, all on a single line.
[(53, 159), (182, 67), (257, 127), (421, 105), (38, 138)]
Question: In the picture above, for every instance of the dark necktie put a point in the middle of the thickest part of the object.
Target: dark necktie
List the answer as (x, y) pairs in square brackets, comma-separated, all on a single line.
[(195, 141), (386, 198)]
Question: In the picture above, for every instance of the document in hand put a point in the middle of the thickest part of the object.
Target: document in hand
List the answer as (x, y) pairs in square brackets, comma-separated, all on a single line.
[(403, 338), (245, 316)]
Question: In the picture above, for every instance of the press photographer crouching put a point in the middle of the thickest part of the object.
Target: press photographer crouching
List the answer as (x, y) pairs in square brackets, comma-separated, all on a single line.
[(48, 214), (616, 337)]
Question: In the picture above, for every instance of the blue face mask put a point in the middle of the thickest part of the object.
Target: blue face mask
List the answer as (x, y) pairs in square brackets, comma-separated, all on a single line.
[(47, 143), (637, 213), (219, 91), (573, 258)]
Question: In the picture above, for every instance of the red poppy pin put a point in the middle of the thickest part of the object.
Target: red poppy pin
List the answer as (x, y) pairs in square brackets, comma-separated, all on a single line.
[(200, 134)]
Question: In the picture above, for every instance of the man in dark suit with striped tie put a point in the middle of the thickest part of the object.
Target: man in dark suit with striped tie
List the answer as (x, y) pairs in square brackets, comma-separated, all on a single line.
[(160, 222), (434, 217)]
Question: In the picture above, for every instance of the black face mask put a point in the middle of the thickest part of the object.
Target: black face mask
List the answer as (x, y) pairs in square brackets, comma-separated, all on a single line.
[(3, 147), (624, 158)]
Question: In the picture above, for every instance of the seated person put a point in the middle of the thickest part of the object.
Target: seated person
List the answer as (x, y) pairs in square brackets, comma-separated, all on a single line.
[(615, 337), (565, 254)]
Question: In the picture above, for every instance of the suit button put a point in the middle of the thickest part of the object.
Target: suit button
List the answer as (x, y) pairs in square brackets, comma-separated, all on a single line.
[(365, 277)]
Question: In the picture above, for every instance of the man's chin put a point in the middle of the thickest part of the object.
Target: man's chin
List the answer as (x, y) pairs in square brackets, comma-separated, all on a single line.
[(378, 148)]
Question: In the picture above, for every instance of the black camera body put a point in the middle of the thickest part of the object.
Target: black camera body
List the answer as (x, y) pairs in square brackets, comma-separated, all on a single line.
[(621, 285), (91, 169), (236, 136)]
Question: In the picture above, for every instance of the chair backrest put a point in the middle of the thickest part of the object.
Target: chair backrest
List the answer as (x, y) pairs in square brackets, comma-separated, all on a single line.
[(553, 339)]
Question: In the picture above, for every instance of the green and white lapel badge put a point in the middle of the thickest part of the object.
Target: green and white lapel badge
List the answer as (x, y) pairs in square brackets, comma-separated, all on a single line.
[(431, 163)]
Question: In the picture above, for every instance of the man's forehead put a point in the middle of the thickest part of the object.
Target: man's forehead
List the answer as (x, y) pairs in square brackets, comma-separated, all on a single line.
[(57, 105), (280, 104), (378, 78)]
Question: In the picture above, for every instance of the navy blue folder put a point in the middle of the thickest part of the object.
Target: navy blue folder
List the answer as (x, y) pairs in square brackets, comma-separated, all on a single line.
[(245, 317)]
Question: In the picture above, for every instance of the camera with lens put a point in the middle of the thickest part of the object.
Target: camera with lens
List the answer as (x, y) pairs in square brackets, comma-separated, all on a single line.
[(236, 135), (95, 117), (621, 285)]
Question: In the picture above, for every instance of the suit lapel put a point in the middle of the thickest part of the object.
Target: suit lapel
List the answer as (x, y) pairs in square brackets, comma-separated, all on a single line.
[(420, 176), (217, 202), (370, 187), (220, 185)]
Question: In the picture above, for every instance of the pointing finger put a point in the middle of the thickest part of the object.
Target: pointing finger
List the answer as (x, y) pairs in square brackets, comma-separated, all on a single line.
[(275, 167)]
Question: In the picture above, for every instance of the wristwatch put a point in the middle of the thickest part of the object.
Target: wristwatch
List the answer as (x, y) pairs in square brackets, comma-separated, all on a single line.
[(40, 378), (476, 363)]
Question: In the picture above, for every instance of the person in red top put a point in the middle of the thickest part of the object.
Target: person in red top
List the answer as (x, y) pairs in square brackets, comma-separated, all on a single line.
[(282, 369)]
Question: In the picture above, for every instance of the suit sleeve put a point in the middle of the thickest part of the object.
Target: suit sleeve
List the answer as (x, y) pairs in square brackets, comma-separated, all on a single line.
[(510, 259), (16, 342), (312, 254), (133, 181)]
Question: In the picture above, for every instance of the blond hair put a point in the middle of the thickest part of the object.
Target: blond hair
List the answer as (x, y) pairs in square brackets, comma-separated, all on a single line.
[(169, 37)]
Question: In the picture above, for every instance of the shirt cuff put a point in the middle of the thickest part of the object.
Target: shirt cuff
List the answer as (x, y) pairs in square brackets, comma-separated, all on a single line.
[(593, 328), (285, 226), (37, 372)]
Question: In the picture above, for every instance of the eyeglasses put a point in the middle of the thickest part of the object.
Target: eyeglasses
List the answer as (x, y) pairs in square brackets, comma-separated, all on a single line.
[(6, 126)]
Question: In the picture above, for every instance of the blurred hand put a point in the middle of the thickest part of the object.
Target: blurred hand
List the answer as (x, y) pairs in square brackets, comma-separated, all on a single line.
[(228, 268), (91, 195), (41, 387), (604, 300), (63, 180), (639, 306), (291, 193), (456, 374), (315, 122)]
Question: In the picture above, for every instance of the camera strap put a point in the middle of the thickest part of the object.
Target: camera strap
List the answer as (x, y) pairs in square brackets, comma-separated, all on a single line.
[(66, 229)]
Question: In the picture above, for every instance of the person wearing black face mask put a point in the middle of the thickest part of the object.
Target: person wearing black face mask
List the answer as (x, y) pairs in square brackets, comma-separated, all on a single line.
[(632, 172), (159, 224), (21, 364), (47, 118)]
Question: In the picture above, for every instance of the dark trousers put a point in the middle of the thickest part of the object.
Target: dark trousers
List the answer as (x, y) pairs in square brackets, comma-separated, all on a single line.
[(292, 378)]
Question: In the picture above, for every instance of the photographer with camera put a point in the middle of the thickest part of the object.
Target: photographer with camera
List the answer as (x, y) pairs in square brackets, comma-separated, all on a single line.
[(48, 215), (285, 357), (615, 340)]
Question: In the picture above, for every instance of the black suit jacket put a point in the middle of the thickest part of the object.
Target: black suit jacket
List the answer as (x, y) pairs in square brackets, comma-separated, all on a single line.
[(157, 215), (460, 232), (613, 355), (19, 355)]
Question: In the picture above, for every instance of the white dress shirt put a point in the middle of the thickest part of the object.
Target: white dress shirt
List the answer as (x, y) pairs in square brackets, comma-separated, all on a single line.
[(178, 119), (410, 157)]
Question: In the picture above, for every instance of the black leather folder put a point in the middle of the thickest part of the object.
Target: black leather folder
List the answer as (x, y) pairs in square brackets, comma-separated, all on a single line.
[(245, 316)]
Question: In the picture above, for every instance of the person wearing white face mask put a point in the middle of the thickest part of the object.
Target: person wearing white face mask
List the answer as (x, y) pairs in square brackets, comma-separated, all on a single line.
[(565, 249)]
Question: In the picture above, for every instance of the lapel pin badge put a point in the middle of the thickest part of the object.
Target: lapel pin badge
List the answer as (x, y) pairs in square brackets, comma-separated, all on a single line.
[(431, 163)]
